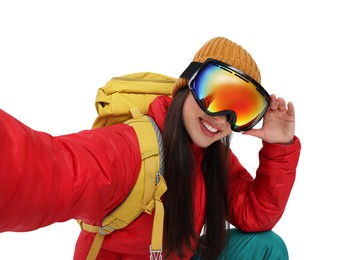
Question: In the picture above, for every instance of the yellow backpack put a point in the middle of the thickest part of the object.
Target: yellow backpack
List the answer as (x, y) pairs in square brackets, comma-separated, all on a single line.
[(125, 100)]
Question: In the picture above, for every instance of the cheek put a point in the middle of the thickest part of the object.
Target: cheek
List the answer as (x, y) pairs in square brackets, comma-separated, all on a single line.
[(190, 109), (191, 103), (190, 114)]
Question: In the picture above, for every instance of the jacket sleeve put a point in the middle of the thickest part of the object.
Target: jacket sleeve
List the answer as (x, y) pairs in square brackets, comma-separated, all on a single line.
[(258, 204), (47, 179)]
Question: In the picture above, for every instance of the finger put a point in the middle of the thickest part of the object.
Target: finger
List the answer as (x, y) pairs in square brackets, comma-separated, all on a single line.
[(281, 104), (254, 132), (273, 97), (273, 102), (291, 110)]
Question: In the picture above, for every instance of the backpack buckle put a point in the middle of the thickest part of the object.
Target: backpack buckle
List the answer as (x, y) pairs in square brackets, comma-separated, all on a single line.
[(155, 254), (106, 230)]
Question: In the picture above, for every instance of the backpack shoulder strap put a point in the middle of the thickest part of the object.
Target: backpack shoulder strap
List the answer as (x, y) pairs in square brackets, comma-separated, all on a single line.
[(146, 193)]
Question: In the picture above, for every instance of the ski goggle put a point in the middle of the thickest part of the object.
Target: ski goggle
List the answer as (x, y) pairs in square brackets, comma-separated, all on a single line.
[(221, 89)]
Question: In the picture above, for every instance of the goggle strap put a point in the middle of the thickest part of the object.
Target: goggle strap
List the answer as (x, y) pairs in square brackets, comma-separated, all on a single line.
[(191, 69)]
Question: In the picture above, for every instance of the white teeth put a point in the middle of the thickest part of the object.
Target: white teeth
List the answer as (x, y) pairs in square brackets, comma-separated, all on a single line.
[(209, 127)]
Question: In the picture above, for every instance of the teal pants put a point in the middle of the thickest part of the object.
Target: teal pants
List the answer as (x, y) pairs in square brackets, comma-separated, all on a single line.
[(253, 246)]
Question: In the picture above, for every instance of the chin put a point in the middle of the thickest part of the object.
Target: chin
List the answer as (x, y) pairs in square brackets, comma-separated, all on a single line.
[(202, 144)]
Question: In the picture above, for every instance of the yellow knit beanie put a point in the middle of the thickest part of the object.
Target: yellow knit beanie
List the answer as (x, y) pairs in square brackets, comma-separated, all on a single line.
[(229, 52)]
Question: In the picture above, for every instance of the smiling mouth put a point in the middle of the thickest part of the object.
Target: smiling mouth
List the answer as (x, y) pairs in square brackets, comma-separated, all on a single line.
[(209, 127)]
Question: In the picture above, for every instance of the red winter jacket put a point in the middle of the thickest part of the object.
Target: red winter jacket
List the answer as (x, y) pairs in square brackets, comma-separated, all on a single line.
[(47, 179)]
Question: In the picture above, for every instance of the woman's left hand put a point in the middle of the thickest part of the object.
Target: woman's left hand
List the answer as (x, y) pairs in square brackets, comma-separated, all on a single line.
[(278, 123)]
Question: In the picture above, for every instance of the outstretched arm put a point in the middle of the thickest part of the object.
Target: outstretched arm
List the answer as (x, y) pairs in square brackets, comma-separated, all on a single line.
[(46, 179)]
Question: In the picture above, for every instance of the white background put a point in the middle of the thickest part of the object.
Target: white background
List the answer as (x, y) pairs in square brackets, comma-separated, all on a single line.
[(54, 55)]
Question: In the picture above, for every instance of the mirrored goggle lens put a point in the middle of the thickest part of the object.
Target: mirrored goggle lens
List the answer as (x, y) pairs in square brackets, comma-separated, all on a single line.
[(220, 89)]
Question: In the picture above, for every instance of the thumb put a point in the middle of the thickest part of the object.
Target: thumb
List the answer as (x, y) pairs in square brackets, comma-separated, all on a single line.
[(254, 132)]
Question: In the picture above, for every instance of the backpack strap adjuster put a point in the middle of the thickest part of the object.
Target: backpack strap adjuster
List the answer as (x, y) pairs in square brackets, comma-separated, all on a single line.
[(106, 230), (155, 254)]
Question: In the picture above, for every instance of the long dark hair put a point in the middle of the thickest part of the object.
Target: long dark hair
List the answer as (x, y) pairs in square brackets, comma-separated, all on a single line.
[(179, 229)]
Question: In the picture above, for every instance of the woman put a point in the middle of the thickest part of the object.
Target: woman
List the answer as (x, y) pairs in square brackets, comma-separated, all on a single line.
[(86, 175)]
